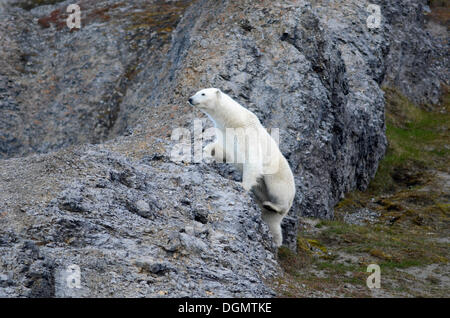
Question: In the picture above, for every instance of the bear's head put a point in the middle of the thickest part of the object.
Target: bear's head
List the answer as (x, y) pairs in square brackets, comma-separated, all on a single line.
[(206, 99)]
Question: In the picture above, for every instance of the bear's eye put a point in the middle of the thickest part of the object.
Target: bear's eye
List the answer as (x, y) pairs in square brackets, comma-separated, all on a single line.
[(203, 94)]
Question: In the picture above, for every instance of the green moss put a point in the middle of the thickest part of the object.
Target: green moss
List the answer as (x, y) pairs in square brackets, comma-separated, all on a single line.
[(285, 254), (337, 267), (418, 140), (401, 264), (349, 202), (403, 246), (317, 245), (444, 207), (413, 207)]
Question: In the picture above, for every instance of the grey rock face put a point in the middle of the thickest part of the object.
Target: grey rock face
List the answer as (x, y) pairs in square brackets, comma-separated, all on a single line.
[(297, 75), (136, 223), (61, 87), (418, 59), (152, 248)]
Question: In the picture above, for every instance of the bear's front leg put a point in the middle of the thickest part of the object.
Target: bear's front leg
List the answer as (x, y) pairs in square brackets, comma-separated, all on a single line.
[(250, 156), (250, 175), (216, 151), (209, 150)]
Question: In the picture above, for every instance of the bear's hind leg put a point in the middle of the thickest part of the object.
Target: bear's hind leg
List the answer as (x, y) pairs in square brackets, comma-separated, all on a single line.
[(273, 207), (250, 176)]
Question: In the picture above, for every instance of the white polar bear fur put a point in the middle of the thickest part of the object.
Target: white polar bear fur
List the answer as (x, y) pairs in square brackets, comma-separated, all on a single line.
[(241, 139)]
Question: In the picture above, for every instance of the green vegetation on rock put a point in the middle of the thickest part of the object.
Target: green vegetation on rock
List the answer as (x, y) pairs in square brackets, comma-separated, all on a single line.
[(419, 142), (409, 193)]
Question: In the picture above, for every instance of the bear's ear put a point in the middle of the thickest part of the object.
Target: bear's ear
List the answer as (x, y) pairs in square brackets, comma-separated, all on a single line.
[(218, 93)]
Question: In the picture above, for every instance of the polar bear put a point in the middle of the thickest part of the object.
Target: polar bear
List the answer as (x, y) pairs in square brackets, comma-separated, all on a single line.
[(241, 139)]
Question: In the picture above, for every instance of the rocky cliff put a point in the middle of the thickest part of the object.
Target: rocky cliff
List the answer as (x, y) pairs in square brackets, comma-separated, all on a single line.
[(87, 115)]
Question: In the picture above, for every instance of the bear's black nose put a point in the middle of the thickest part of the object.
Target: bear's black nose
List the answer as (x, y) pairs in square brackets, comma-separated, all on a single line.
[(190, 101)]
